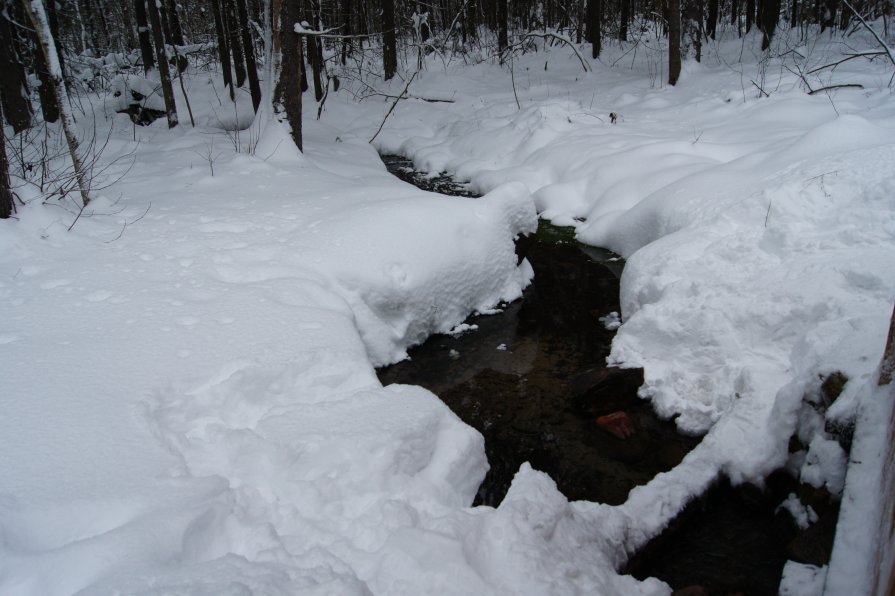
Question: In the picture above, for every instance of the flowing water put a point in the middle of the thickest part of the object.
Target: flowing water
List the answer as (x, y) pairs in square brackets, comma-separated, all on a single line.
[(533, 381)]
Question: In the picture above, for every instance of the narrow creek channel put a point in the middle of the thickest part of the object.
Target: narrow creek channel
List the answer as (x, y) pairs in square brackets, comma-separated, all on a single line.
[(534, 382)]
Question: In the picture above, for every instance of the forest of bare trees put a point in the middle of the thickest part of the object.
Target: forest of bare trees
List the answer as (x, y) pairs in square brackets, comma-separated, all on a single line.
[(53, 49)]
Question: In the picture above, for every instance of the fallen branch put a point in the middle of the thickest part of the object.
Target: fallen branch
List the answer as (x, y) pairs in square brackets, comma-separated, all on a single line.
[(394, 105), (831, 87), (376, 92)]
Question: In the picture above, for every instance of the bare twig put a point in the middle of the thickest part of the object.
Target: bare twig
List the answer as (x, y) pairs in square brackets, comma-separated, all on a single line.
[(879, 40), (127, 223), (846, 59), (394, 105)]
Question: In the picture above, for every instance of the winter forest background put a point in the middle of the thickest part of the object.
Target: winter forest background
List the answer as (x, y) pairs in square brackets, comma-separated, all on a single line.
[(205, 266)]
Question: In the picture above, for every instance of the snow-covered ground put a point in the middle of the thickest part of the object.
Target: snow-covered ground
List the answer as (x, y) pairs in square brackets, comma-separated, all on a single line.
[(189, 402)]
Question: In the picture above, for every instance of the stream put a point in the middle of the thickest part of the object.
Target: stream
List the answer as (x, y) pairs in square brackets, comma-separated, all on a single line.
[(534, 382)]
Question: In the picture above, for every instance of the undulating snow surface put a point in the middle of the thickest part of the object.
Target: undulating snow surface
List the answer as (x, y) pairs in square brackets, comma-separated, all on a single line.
[(189, 399)]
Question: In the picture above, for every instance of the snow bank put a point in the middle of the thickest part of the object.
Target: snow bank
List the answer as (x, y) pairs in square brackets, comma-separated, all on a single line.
[(759, 232), (190, 404)]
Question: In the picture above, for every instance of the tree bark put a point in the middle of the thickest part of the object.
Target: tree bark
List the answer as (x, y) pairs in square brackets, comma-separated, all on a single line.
[(624, 18), (674, 41), (143, 34), (594, 36), (174, 22), (164, 73), (712, 24), (13, 81), (770, 16), (289, 86), (7, 205), (750, 14), (502, 18), (315, 55), (233, 40), (223, 49), (249, 47), (389, 40), (38, 17)]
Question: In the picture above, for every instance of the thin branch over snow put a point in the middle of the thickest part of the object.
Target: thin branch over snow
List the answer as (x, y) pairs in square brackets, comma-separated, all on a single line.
[(550, 35), (886, 49)]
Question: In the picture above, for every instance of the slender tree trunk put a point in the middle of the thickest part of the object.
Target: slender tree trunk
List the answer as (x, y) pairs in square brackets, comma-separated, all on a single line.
[(174, 22), (53, 19), (750, 14), (233, 40), (346, 27), (624, 18), (770, 15), (7, 205), (143, 34), (13, 81), (223, 49), (712, 24), (389, 40), (289, 87), (594, 35), (38, 17), (161, 57), (249, 47), (49, 102), (127, 26), (502, 18), (674, 41), (315, 55)]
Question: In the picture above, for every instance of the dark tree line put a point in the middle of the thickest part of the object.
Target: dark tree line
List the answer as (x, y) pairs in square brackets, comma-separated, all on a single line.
[(162, 33)]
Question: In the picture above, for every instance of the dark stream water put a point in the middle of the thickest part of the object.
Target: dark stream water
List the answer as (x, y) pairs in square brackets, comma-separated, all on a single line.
[(533, 381)]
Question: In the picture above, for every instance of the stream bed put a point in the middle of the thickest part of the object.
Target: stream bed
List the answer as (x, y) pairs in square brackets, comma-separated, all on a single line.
[(533, 380)]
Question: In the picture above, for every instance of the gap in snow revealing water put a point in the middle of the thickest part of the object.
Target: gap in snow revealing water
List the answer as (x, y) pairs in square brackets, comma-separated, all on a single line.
[(533, 381)]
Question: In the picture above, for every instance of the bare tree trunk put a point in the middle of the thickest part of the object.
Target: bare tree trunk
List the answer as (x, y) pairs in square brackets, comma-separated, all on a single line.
[(389, 40), (38, 17), (223, 49), (174, 22), (49, 102), (143, 34), (346, 27), (593, 27), (13, 81), (233, 39), (249, 47), (289, 85), (164, 73), (770, 14), (315, 55), (502, 18), (127, 24), (7, 205), (674, 41), (624, 18), (712, 24)]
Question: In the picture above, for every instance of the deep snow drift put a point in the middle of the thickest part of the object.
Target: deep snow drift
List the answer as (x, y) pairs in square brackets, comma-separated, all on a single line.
[(189, 400)]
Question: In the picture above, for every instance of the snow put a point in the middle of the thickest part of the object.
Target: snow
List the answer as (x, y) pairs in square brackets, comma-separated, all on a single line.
[(190, 405), (802, 580)]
